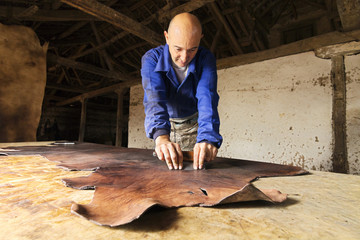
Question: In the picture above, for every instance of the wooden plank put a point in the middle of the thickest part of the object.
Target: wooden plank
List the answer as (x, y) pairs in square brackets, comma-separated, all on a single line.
[(102, 52), (165, 15), (305, 45), (117, 19), (338, 80), (214, 8), (65, 88), (47, 15), (101, 91), (83, 119), (349, 12), (119, 118), (190, 6), (349, 48), (85, 67)]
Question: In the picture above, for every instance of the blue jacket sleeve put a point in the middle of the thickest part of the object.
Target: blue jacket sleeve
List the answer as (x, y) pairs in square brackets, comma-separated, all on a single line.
[(208, 99), (155, 98)]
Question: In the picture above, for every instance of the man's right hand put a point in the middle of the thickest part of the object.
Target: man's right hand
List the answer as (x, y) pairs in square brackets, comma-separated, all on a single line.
[(169, 152)]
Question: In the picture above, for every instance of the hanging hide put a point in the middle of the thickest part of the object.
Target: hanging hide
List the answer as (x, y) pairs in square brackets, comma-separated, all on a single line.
[(23, 80)]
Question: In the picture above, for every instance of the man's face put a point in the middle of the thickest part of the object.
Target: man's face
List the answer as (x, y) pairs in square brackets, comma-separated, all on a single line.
[(182, 46)]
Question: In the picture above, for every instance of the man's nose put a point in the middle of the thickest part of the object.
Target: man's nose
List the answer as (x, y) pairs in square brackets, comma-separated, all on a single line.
[(183, 56)]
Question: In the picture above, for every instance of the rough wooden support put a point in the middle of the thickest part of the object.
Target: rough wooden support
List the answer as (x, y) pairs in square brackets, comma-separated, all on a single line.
[(101, 91), (85, 67), (216, 39), (349, 11), (338, 79), (117, 19), (119, 117), (214, 8), (291, 48), (47, 15), (102, 52), (190, 6), (82, 119)]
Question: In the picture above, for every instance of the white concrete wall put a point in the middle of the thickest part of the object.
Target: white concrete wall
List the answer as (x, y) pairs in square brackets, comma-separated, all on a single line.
[(352, 69), (277, 111), (137, 137)]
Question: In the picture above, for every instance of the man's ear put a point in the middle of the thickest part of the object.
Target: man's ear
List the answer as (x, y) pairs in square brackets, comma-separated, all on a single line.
[(166, 37)]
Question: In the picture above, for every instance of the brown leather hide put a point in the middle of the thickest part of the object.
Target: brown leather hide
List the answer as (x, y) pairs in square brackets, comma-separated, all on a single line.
[(127, 182), (23, 80)]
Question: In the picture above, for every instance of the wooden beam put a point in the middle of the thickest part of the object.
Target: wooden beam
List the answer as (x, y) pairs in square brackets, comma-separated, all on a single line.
[(349, 12), (148, 20), (101, 91), (165, 15), (236, 47), (82, 120), (79, 25), (338, 80), (102, 52), (119, 118), (216, 39), (46, 15), (305, 45), (85, 67), (72, 29), (117, 19), (344, 49), (64, 88)]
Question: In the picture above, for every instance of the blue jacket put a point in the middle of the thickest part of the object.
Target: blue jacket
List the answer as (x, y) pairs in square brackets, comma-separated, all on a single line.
[(165, 97)]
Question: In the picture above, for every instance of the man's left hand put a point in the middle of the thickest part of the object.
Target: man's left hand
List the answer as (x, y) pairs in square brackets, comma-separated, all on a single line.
[(203, 152)]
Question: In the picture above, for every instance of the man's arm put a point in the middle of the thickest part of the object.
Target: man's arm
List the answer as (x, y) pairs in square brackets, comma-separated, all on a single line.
[(157, 125), (208, 139)]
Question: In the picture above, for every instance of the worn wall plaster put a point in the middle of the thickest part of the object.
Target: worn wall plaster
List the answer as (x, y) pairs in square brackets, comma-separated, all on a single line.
[(278, 111), (352, 69)]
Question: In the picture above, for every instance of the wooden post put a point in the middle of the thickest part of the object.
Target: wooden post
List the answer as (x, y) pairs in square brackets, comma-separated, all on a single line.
[(82, 119), (119, 117), (338, 79)]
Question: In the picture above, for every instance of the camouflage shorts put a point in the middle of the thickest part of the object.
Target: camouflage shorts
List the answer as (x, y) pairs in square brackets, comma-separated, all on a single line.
[(184, 131)]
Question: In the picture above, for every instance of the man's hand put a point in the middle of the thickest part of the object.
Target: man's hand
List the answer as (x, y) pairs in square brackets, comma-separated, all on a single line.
[(203, 152), (169, 152)]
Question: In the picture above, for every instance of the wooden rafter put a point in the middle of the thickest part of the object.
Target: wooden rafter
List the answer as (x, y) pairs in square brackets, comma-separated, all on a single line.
[(117, 19), (158, 15), (102, 52), (43, 15), (85, 67), (214, 8)]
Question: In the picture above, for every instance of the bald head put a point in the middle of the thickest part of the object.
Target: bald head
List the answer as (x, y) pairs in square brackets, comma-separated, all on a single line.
[(183, 37), (185, 21)]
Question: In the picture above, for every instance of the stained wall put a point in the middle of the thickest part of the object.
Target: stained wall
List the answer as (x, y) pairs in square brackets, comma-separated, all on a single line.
[(279, 111), (352, 69)]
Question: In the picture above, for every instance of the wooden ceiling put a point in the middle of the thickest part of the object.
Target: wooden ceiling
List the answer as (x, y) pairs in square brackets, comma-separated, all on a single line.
[(95, 46)]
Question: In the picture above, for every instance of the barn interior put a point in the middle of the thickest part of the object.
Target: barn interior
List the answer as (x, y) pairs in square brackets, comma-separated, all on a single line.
[(289, 87)]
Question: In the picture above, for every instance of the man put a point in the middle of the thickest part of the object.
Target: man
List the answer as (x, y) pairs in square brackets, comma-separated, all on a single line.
[(180, 96)]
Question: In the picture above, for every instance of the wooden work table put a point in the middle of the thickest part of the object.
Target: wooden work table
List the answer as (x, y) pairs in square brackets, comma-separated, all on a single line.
[(35, 204)]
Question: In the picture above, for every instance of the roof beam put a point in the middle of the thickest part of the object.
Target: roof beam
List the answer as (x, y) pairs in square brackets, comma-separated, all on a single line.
[(85, 67), (349, 11), (190, 6), (235, 45), (304, 45), (164, 14), (100, 91), (117, 19), (42, 15)]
